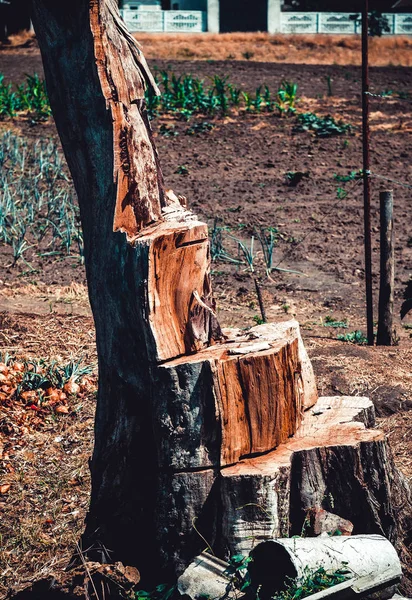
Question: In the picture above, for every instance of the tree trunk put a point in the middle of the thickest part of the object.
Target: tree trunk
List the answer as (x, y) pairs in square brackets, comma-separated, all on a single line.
[(96, 75), (196, 438)]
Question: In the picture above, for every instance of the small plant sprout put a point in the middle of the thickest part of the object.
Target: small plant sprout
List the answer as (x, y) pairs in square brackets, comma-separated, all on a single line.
[(355, 337)]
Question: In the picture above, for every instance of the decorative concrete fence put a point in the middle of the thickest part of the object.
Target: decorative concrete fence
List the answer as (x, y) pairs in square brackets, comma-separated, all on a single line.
[(153, 19), (169, 21), (336, 23)]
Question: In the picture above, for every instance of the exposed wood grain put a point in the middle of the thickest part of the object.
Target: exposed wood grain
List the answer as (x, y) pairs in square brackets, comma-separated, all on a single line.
[(124, 76), (181, 315), (264, 497), (227, 401)]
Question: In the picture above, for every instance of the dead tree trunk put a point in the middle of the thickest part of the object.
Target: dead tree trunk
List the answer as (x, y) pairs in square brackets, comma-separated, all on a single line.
[(195, 437), (96, 76)]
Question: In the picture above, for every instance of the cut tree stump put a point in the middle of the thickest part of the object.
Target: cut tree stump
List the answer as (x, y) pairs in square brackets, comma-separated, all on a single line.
[(333, 462)]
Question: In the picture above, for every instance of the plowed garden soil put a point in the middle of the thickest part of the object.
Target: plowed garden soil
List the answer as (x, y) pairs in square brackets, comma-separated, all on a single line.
[(234, 173)]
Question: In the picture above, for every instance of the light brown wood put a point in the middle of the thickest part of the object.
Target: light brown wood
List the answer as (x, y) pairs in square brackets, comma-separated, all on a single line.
[(228, 401), (268, 496), (181, 315), (124, 75)]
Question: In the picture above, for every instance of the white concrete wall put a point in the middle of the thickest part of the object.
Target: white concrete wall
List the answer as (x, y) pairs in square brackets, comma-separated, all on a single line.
[(274, 16), (213, 16)]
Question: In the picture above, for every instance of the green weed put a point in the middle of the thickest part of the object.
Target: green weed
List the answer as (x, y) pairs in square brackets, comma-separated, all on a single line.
[(332, 322), (355, 337), (321, 126)]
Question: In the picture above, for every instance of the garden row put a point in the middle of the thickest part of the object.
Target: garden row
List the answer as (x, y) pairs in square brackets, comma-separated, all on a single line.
[(183, 96)]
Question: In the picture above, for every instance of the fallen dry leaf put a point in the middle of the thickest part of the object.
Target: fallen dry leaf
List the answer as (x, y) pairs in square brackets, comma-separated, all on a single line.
[(74, 482), (63, 410), (4, 488)]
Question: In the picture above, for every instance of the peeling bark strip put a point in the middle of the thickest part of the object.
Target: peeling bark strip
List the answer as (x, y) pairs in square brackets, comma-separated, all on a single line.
[(124, 76)]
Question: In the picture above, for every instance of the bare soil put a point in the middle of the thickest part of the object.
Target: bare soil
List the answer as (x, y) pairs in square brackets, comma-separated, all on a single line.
[(236, 178)]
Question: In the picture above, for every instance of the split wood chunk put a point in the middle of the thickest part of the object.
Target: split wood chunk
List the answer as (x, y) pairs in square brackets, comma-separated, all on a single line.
[(180, 305), (286, 331), (325, 464), (124, 76), (228, 401)]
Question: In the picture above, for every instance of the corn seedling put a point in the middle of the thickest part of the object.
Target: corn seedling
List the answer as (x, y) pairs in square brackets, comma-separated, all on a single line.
[(287, 98)]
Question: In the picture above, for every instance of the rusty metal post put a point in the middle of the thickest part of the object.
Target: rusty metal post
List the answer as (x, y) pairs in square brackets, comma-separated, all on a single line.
[(366, 172)]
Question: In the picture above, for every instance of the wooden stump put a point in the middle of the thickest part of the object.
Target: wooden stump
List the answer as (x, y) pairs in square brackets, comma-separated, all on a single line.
[(187, 427), (333, 462)]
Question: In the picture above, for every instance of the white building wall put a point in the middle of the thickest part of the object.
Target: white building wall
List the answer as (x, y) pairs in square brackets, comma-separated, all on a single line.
[(213, 16)]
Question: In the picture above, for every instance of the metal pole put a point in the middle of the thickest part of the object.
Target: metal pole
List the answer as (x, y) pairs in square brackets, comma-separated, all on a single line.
[(366, 173), (387, 275)]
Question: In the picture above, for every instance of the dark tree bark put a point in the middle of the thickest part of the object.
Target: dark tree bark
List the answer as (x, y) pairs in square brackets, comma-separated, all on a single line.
[(124, 471), (96, 77)]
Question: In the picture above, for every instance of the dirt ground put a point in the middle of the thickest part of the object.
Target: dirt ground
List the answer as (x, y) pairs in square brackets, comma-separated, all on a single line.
[(235, 177)]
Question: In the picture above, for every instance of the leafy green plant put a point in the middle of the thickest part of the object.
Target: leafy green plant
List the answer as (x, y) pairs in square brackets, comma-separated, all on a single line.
[(238, 569), (182, 170), (248, 98), (161, 592), (321, 126), (258, 320), (217, 248), (293, 178), (258, 101), (287, 97), (247, 252), (355, 337), (235, 94), (220, 84), (341, 193), (353, 176), (311, 583), (332, 322), (36, 205), (268, 238)]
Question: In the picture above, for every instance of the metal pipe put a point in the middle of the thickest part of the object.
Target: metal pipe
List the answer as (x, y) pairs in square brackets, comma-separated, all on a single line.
[(366, 173)]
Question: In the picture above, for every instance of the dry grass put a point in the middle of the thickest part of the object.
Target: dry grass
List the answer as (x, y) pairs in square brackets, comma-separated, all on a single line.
[(43, 512), (48, 336), (45, 461), (44, 455), (263, 47)]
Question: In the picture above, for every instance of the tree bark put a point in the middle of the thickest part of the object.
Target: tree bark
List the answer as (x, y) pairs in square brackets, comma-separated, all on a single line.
[(95, 76), (385, 335)]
